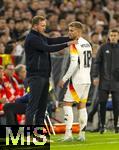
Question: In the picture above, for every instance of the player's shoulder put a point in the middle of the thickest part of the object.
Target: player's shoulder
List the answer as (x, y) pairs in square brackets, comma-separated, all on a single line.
[(83, 43)]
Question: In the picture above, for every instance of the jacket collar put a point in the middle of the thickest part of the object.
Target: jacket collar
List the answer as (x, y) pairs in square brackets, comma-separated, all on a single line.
[(36, 32)]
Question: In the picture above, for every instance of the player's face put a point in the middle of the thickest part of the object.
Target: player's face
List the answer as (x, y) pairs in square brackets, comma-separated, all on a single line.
[(114, 37), (41, 26), (74, 33)]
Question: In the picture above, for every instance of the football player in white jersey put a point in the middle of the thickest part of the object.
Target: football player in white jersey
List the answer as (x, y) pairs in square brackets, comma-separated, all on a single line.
[(78, 75)]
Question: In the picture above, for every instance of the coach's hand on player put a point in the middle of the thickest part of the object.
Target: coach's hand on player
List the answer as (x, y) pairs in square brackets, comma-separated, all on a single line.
[(61, 83), (72, 42)]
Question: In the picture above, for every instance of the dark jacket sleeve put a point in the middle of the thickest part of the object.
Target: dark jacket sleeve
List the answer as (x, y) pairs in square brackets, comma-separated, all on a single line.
[(91, 69), (96, 66), (40, 45), (58, 40)]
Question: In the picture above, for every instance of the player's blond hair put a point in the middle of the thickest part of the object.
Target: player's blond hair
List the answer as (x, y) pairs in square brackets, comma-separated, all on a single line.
[(76, 24)]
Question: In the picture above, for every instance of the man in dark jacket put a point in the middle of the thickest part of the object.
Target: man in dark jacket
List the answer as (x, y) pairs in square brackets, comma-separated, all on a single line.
[(105, 66), (38, 65)]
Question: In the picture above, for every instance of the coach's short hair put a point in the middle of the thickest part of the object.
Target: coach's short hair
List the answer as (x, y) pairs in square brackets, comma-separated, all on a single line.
[(76, 24), (37, 19)]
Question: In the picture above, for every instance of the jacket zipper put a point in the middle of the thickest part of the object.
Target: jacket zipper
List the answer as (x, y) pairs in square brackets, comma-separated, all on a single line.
[(39, 63)]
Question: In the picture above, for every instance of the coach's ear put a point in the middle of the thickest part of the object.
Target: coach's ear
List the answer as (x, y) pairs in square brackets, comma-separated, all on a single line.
[(116, 74)]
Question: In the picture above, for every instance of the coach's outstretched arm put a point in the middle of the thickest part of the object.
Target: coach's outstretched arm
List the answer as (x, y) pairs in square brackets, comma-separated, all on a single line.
[(36, 43)]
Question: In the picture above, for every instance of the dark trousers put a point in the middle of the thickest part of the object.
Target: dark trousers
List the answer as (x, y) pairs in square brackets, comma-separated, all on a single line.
[(38, 100), (12, 109), (103, 97), (93, 111), (94, 99)]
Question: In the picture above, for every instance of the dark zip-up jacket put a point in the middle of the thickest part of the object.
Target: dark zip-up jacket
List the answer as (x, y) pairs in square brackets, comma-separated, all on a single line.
[(104, 66), (37, 50)]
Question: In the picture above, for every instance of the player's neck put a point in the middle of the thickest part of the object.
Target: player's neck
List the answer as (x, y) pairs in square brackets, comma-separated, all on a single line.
[(78, 37)]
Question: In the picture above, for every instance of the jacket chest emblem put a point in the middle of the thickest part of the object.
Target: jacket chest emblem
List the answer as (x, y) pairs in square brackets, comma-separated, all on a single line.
[(107, 51)]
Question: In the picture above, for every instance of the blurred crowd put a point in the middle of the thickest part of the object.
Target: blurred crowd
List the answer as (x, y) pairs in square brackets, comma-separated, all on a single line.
[(11, 84)]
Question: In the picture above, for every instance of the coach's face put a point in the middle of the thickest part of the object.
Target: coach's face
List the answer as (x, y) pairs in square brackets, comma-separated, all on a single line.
[(74, 33), (41, 26)]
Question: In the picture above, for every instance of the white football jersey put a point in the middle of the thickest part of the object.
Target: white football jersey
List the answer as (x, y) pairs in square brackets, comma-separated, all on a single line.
[(80, 63)]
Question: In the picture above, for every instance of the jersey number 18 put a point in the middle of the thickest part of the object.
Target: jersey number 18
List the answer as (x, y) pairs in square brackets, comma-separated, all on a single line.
[(87, 58)]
